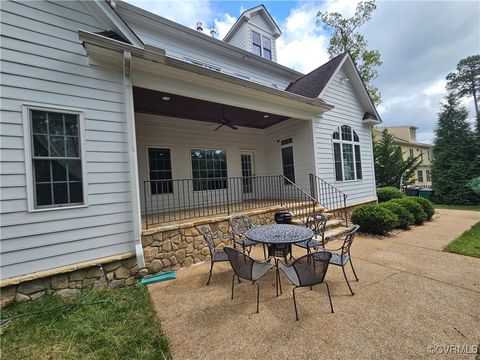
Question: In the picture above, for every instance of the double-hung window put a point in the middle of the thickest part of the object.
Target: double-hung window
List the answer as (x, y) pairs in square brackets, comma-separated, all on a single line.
[(160, 171), (261, 45), (267, 48), (420, 175), (209, 169), (347, 154), (256, 43), (56, 158)]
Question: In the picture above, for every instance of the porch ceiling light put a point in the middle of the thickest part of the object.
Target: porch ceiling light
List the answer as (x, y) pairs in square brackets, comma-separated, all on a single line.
[(166, 98), (266, 116)]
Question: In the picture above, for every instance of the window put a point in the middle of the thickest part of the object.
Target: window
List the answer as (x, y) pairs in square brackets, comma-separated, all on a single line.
[(267, 48), (428, 155), (256, 44), (160, 171), (209, 169), (429, 175), (346, 154), (287, 163), (411, 153), (56, 158), (421, 154), (420, 175)]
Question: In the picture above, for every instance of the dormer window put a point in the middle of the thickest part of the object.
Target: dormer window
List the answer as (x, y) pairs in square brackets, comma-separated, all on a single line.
[(261, 45), (267, 48), (257, 44)]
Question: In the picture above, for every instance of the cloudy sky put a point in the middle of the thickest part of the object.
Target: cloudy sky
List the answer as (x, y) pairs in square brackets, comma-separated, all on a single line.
[(420, 43)]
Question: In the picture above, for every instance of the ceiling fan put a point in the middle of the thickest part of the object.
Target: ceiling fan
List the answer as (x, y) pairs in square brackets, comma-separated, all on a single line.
[(225, 122)]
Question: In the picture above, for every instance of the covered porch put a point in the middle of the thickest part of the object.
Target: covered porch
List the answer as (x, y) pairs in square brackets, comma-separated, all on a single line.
[(198, 159)]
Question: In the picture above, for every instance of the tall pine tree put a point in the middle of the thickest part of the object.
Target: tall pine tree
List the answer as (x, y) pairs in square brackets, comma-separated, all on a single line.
[(456, 156)]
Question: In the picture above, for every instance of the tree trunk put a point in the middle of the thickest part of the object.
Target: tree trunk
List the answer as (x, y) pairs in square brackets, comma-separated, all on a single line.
[(477, 112)]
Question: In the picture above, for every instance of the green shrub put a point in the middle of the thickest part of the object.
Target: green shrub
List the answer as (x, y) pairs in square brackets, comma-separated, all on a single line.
[(374, 219), (405, 217), (426, 205), (412, 206), (388, 193)]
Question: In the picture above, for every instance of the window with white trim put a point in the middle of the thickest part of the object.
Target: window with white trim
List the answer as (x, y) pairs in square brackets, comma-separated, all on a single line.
[(56, 158), (209, 169), (256, 43), (347, 154), (429, 175), (261, 45), (267, 48), (420, 175), (160, 170)]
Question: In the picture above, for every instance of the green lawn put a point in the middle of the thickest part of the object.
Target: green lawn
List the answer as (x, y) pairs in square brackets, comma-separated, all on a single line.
[(457, 207), (468, 243), (108, 324)]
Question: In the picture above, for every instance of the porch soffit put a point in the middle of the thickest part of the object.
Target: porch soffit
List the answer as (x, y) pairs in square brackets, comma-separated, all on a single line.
[(152, 102)]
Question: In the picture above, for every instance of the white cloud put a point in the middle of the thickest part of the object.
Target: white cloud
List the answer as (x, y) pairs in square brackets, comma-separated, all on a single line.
[(222, 26), (302, 44), (437, 88)]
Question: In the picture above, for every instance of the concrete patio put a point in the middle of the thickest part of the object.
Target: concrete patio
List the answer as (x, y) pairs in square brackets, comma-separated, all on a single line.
[(411, 295)]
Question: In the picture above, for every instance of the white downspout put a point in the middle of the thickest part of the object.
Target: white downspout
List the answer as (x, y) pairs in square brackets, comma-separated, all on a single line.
[(132, 154)]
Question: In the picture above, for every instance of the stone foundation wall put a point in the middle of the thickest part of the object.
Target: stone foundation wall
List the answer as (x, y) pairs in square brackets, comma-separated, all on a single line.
[(165, 249)]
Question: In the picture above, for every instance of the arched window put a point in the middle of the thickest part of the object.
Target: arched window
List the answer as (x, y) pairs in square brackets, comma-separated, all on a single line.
[(346, 154)]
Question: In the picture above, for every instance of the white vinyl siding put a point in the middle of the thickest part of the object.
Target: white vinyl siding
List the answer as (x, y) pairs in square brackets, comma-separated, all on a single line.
[(43, 63), (347, 111)]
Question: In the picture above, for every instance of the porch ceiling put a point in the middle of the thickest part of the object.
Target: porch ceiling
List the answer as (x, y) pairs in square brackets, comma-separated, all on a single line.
[(151, 102)]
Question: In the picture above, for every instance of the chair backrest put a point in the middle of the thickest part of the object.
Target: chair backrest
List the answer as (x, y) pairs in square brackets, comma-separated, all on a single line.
[(242, 264), (239, 225), (317, 223), (311, 268), (207, 234), (347, 243)]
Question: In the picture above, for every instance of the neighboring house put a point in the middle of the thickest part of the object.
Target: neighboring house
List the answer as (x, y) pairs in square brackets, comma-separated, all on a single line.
[(406, 138), (113, 118)]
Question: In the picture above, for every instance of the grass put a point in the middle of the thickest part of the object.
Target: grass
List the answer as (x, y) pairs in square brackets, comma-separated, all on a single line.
[(108, 324), (458, 207), (468, 243)]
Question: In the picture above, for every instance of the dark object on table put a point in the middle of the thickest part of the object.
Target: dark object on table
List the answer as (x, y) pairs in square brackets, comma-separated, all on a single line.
[(244, 267), (309, 270), (344, 257), (283, 217), (239, 225), (317, 223), (412, 191), (216, 255)]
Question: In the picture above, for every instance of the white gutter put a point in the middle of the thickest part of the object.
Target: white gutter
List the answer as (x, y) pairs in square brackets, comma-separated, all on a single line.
[(132, 154)]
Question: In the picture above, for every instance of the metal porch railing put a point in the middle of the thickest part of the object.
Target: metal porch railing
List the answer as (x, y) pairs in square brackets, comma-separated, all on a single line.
[(328, 196)]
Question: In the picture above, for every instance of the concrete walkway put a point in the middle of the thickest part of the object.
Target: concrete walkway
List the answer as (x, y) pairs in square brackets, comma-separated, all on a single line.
[(410, 296)]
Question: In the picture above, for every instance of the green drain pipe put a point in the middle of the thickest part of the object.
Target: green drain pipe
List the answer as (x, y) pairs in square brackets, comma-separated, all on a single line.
[(147, 280)]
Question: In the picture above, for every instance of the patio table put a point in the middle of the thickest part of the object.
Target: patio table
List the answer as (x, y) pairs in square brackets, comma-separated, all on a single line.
[(279, 239)]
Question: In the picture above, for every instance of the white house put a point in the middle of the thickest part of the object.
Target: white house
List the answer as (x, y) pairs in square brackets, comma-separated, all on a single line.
[(114, 119)]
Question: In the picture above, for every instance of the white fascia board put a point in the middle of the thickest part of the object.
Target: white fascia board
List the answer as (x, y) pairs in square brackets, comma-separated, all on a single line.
[(104, 14)]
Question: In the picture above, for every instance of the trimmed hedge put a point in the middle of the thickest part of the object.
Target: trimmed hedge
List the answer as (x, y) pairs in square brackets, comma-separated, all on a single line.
[(412, 206), (426, 205), (374, 219), (388, 193), (405, 218)]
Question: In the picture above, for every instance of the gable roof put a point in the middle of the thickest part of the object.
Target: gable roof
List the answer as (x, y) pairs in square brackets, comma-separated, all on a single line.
[(312, 84), (245, 16)]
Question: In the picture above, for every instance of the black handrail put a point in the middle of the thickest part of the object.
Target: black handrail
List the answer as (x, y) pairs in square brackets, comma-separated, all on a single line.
[(328, 196), (166, 201)]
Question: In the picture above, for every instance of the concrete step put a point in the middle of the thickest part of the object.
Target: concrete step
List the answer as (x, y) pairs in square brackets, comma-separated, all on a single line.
[(338, 231), (331, 224)]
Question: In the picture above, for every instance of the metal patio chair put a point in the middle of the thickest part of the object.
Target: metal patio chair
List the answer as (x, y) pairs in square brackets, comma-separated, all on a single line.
[(317, 223), (244, 267), (341, 256), (239, 225), (307, 271), (216, 255)]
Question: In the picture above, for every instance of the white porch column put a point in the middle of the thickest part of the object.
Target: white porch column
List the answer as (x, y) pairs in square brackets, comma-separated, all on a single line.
[(132, 153)]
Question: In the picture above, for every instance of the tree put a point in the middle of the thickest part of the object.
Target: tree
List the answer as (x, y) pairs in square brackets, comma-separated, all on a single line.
[(466, 82), (456, 156), (390, 166), (345, 38)]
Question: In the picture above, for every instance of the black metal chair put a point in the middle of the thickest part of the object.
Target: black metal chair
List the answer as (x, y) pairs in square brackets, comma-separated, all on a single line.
[(239, 225), (216, 255), (317, 223), (244, 267), (307, 271), (342, 256)]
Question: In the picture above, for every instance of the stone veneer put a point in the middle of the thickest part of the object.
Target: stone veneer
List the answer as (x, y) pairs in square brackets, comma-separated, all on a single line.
[(166, 248)]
